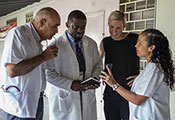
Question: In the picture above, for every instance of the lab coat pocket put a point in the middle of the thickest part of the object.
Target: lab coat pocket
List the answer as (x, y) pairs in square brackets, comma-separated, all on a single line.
[(136, 114), (91, 96), (12, 101), (64, 101)]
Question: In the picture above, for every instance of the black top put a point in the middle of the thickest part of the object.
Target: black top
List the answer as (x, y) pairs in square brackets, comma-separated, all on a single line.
[(122, 54)]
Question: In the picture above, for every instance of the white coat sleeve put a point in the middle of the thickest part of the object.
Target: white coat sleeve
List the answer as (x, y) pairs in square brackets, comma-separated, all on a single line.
[(150, 81), (97, 63), (54, 77), (14, 47)]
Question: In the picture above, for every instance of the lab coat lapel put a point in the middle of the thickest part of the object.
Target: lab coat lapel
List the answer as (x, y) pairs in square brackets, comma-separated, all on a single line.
[(72, 54), (69, 47)]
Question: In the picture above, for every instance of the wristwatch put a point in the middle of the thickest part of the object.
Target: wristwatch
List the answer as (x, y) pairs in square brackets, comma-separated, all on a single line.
[(115, 86)]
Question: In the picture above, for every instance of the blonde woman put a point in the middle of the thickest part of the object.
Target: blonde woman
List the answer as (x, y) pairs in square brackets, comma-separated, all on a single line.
[(118, 50)]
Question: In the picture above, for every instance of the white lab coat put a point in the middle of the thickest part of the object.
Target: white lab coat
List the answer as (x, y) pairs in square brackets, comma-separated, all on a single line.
[(21, 43), (150, 83), (64, 103)]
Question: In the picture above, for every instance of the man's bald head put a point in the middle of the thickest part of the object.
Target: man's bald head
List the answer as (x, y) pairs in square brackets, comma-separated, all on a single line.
[(46, 22), (46, 12)]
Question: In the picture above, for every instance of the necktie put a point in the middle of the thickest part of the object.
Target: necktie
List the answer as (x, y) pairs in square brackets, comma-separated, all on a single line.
[(80, 57), (82, 68)]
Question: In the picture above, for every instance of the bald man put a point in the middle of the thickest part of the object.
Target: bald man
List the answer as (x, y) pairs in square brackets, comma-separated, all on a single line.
[(21, 85)]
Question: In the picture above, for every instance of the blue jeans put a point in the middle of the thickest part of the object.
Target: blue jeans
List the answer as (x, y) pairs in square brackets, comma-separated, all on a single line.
[(39, 114)]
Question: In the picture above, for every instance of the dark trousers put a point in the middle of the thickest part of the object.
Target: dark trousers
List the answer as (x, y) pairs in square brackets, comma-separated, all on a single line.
[(39, 114), (116, 110)]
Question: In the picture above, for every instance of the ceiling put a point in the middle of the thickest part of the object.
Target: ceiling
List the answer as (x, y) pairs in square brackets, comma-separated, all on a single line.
[(8, 6)]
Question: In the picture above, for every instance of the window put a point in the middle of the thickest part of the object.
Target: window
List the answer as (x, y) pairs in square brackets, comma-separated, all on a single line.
[(140, 15), (29, 17)]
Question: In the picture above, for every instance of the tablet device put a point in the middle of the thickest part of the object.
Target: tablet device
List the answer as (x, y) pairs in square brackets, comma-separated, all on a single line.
[(91, 81), (105, 69), (110, 67)]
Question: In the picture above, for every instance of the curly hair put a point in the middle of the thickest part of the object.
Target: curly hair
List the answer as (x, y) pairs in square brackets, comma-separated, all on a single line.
[(162, 54)]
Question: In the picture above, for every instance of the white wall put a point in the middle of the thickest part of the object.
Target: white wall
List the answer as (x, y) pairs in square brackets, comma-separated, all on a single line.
[(64, 7), (1, 48), (20, 14), (165, 21)]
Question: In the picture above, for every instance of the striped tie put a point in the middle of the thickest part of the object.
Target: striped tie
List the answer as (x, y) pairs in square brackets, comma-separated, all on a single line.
[(80, 57)]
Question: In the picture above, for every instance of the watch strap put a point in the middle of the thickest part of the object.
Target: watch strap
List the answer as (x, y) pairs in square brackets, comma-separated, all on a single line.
[(115, 86)]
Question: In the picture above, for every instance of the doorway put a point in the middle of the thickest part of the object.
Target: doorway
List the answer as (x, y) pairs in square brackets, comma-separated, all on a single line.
[(95, 30)]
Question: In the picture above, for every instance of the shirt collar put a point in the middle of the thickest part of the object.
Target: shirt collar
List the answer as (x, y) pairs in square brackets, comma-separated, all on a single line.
[(70, 37), (35, 33)]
